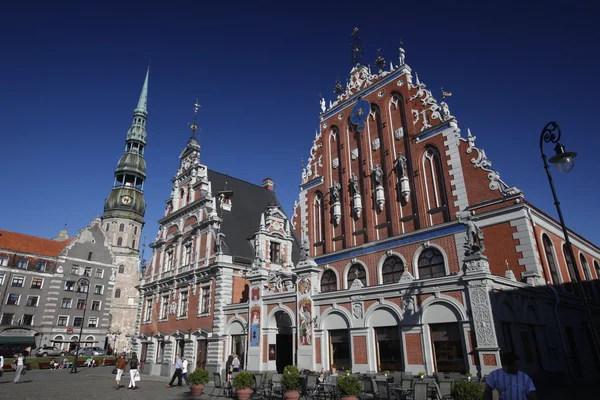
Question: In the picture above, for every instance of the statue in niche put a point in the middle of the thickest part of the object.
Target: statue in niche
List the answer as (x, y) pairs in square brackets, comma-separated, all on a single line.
[(377, 175), (401, 165), (445, 111), (219, 239), (334, 192), (304, 249), (474, 245), (354, 185)]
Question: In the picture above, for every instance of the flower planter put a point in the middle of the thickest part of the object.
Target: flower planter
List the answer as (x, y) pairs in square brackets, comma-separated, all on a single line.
[(291, 395), (244, 394), (196, 390), (348, 398)]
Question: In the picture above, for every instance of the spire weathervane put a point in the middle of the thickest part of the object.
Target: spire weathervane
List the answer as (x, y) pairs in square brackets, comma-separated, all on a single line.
[(357, 47), (194, 125)]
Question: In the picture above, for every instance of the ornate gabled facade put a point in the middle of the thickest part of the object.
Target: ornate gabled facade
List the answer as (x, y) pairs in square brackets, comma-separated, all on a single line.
[(123, 220), (417, 256), (195, 294)]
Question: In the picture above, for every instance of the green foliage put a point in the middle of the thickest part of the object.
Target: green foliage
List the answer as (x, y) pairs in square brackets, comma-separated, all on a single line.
[(348, 385), (198, 377), (243, 380), (467, 391), (290, 380)]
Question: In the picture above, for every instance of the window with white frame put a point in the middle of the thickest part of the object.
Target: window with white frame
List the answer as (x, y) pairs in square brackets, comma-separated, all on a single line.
[(1, 279), (275, 252), (164, 307), (17, 281), (22, 263), (13, 299), (27, 320), (205, 299), (37, 283), (183, 304), (32, 301), (70, 286), (99, 289), (3, 261), (87, 272), (148, 311), (96, 305), (63, 320), (169, 260), (7, 319), (67, 302), (40, 266), (187, 250), (92, 322), (78, 321), (75, 270), (80, 304), (99, 273)]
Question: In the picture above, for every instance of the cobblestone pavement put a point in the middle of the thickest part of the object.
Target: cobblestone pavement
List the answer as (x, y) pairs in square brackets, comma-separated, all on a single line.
[(88, 384)]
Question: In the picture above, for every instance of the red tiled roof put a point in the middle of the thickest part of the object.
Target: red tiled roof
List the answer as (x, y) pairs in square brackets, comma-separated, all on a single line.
[(31, 244)]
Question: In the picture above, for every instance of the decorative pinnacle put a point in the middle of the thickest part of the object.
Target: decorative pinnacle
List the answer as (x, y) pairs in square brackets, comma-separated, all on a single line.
[(357, 48), (194, 125)]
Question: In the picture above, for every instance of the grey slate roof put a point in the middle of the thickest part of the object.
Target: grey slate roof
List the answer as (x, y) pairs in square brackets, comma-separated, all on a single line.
[(249, 201)]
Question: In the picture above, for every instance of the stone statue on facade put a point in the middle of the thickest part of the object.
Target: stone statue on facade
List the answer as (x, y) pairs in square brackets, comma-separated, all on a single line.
[(445, 111), (474, 245), (304, 249), (323, 105), (335, 192), (219, 240), (377, 175), (354, 185)]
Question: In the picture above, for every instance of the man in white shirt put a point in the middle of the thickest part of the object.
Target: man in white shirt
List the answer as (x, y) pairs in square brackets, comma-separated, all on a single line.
[(184, 370), (19, 365), (1, 365), (510, 383)]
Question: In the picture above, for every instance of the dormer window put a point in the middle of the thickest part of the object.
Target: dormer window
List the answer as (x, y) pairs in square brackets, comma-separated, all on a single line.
[(276, 253)]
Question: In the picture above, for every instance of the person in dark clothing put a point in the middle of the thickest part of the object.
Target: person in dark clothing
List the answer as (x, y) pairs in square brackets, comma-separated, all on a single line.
[(228, 368), (177, 373)]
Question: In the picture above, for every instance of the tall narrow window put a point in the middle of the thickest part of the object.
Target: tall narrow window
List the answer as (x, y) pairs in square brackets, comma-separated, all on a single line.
[(120, 241), (121, 268), (435, 188), (107, 227), (328, 282), (548, 250), (319, 222), (431, 264), (570, 268), (275, 252), (117, 293), (392, 269), (121, 227), (587, 288), (357, 271)]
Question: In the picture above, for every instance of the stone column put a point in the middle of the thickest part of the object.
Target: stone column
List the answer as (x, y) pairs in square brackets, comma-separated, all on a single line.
[(307, 280), (257, 318)]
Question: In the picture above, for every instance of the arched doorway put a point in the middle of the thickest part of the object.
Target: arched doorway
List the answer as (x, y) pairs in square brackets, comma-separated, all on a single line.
[(388, 342), (284, 342), (446, 337), (339, 350), (238, 341)]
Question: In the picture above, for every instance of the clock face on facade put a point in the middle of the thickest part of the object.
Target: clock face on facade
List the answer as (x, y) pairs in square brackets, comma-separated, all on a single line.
[(126, 200), (359, 114)]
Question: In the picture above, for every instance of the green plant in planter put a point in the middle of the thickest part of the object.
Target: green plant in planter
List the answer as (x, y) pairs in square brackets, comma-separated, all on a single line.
[(198, 377), (243, 380), (348, 385), (290, 380), (467, 391)]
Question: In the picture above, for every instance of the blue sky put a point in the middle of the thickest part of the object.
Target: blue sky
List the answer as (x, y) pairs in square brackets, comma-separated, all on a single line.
[(70, 78)]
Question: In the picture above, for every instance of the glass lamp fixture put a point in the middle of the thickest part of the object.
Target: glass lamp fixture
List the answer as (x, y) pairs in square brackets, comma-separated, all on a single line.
[(564, 160)]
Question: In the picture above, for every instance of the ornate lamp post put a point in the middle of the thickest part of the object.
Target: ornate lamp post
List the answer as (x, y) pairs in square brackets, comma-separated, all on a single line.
[(83, 286), (565, 161)]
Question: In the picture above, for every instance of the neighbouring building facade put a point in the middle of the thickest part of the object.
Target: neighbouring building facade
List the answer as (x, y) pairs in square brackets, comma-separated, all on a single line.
[(42, 303), (123, 220)]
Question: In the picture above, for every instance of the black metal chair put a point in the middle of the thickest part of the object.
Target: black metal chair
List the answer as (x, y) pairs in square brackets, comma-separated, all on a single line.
[(218, 384)]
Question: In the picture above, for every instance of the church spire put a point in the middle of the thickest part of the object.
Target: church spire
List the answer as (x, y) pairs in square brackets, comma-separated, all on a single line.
[(143, 101)]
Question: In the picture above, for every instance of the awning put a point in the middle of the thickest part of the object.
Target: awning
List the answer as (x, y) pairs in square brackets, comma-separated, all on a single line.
[(74, 341), (17, 340)]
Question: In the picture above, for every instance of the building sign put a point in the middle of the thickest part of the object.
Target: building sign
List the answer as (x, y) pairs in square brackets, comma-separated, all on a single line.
[(18, 332)]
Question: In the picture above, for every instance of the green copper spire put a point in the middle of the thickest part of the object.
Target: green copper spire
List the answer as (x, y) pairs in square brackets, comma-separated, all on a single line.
[(143, 102), (140, 114)]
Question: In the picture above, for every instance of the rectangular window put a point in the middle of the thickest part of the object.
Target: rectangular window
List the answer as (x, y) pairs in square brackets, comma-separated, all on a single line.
[(164, 307), (205, 301), (67, 302), (3, 261), (63, 320), (148, 312), (27, 320), (36, 283), (99, 273), (32, 301), (80, 304), (69, 286), (88, 272), (447, 347), (7, 319), (188, 254), (389, 348), (40, 266), (22, 263), (1, 279), (18, 281), (13, 299), (169, 260), (78, 321), (75, 270), (276, 253), (96, 305), (90, 255), (93, 322), (99, 289), (183, 304)]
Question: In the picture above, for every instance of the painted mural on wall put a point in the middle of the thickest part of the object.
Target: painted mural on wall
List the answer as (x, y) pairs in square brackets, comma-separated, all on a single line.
[(304, 286), (255, 309), (255, 294), (304, 313)]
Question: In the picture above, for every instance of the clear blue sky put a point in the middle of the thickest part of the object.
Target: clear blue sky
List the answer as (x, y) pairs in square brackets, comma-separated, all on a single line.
[(70, 76)]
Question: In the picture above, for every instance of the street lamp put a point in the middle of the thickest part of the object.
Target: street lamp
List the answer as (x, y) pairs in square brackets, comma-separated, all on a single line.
[(564, 162), (83, 286)]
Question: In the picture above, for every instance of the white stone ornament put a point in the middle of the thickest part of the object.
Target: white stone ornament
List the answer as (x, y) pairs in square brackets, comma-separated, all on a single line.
[(481, 311), (335, 163), (375, 144), (357, 310), (173, 308), (354, 154), (399, 133)]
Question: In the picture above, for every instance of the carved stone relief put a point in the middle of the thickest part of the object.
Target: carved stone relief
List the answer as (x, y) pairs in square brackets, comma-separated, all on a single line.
[(482, 317), (357, 310)]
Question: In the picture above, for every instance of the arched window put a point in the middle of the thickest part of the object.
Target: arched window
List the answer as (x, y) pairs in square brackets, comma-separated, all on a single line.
[(435, 188), (357, 271), (135, 230), (588, 277), (392, 269), (328, 282), (133, 244), (118, 294), (181, 193), (107, 227), (319, 220), (548, 250), (431, 264), (121, 227), (59, 337), (121, 268), (120, 241), (570, 268)]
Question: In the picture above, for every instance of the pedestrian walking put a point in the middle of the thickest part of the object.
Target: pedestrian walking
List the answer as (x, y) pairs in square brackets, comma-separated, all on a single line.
[(229, 368), (510, 383), (177, 373), (18, 366), (235, 363), (184, 370), (133, 371), (1, 365), (121, 365)]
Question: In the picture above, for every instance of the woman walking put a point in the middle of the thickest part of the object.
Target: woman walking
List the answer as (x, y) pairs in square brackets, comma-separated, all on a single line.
[(121, 365), (133, 370)]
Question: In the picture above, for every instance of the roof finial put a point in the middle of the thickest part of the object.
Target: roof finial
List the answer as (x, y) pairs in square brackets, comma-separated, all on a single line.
[(357, 48), (194, 125)]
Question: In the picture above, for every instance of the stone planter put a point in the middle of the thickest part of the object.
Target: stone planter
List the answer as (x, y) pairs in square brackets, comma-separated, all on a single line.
[(348, 398), (196, 390), (244, 393), (291, 395)]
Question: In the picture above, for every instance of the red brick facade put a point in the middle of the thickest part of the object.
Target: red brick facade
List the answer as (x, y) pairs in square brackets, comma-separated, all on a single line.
[(414, 349), (359, 349)]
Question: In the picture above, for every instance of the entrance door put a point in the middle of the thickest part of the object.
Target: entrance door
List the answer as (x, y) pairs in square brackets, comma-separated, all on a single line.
[(339, 349), (201, 356), (238, 347), (143, 355), (389, 349), (447, 347), (285, 352)]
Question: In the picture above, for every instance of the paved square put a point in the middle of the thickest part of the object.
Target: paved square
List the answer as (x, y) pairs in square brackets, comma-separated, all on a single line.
[(89, 384)]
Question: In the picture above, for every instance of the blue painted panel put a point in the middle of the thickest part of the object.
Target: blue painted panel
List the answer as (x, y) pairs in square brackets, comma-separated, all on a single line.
[(312, 184)]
